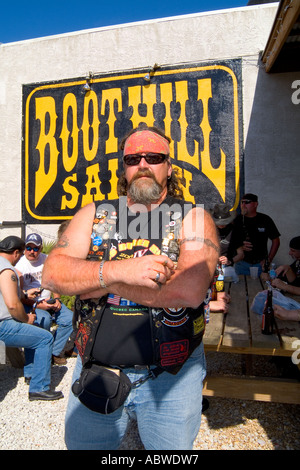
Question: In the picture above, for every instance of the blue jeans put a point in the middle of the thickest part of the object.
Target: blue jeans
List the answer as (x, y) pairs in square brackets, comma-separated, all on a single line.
[(242, 267), (21, 335), (63, 318), (168, 411)]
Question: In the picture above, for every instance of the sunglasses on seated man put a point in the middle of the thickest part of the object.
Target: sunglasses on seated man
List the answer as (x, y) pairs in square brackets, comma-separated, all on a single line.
[(246, 201), (34, 248), (151, 158)]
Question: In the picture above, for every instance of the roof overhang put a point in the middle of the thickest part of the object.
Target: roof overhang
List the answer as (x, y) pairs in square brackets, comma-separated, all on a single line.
[(282, 51)]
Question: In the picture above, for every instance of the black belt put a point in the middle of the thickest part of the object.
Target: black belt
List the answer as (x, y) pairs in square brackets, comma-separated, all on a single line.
[(136, 367)]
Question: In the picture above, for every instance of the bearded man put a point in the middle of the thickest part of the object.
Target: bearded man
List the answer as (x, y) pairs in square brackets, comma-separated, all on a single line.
[(140, 267)]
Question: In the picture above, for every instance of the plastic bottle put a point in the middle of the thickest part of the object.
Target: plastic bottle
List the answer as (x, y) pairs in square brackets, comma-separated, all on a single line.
[(272, 272), (220, 284)]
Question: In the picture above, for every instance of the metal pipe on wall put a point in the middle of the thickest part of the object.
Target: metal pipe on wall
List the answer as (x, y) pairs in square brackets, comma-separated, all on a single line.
[(20, 223)]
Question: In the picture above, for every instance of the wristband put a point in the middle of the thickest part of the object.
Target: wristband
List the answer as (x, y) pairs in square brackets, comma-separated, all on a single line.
[(101, 280)]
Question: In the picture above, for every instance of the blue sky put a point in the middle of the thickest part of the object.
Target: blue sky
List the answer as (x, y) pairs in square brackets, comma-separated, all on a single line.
[(20, 20)]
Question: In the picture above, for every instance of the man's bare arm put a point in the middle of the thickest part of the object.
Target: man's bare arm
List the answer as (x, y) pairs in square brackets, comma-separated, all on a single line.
[(67, 270), (9, 289), (188, 284)]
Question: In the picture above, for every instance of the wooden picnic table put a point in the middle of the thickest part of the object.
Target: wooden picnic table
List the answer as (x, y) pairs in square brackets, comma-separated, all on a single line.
[(239, 332)]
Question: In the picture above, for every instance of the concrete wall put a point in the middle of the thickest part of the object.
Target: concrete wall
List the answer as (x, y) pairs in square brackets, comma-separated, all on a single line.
[(270, 118)]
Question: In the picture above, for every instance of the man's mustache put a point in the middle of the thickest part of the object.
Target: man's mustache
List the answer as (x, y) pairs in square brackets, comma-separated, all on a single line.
[(141, 173)]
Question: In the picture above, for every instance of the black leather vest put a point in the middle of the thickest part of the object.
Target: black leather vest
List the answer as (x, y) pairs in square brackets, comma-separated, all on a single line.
[(117, 332)]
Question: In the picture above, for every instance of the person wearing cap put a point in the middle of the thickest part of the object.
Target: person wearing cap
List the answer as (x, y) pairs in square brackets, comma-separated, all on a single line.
[(151, 257), (17, 327), (252, 230), (30, 268), (223, 218)]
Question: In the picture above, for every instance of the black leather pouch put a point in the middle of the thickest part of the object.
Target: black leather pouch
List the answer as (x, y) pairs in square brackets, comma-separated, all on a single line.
[(102, 389)]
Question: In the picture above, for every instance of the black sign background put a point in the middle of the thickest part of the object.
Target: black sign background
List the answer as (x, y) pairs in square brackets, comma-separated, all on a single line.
[(71, 137)]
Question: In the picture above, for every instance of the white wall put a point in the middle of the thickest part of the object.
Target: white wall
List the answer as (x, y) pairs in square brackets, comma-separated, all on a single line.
[(270, 118)]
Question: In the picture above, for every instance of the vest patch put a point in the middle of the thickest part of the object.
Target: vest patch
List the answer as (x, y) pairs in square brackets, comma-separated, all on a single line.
[(174, 353)]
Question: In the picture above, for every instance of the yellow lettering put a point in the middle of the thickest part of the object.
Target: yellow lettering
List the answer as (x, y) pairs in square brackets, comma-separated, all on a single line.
[(145, 96), (166, 98), (113, 167), (216, 175), (186, 177), (93, 183), (45, 111), (69, 188), (113, 97), (90, 129), (182, 96), (69, 161)]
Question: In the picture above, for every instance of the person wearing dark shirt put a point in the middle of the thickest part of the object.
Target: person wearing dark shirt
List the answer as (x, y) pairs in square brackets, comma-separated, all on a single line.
[(223, 218), (288, 276), (252, 230)]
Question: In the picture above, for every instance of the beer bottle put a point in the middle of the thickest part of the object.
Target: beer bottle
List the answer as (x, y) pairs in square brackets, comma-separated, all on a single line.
[(214, 287), (220, 284), (266, 265), (268, 315)]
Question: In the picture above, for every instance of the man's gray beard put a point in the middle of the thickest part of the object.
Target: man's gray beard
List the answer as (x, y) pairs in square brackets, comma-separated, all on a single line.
[(141, 193)]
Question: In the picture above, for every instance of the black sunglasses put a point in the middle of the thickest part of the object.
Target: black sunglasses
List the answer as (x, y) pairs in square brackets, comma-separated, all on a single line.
[(151, 158), (246, 201)]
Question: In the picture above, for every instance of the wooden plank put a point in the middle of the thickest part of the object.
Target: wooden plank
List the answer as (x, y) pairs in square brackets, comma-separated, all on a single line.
[(236, 331), (258, 389), (258, 339), (248, 350), (15, 357), (213, 329)]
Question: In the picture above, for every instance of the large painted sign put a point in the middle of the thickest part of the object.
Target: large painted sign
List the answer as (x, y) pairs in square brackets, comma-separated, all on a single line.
[(72, 130)]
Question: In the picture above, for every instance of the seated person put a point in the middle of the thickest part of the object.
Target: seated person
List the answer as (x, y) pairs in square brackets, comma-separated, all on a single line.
[(221, 304), (30, 269), (284, 314), (291, 273), (223, 219), (289, 281), (17, 327), (252, 230)]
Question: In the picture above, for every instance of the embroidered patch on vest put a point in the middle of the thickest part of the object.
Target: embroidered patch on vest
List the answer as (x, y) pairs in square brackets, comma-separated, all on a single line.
[(198, 325), (174, 353), (174, 316)]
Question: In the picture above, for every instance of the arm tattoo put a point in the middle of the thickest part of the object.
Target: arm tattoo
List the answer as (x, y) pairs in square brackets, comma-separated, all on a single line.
[(63, 242), (14, 277), (207, 242)]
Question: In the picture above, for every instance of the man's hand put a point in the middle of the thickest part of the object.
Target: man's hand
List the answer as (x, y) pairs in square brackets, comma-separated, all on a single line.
[(31, 317)]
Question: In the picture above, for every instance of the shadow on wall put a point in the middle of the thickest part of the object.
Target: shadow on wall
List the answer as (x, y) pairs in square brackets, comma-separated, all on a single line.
[(271, 161)]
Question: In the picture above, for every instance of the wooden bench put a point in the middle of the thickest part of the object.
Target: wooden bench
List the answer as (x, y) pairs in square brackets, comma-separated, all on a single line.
[(14, 355), (239, 332)]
